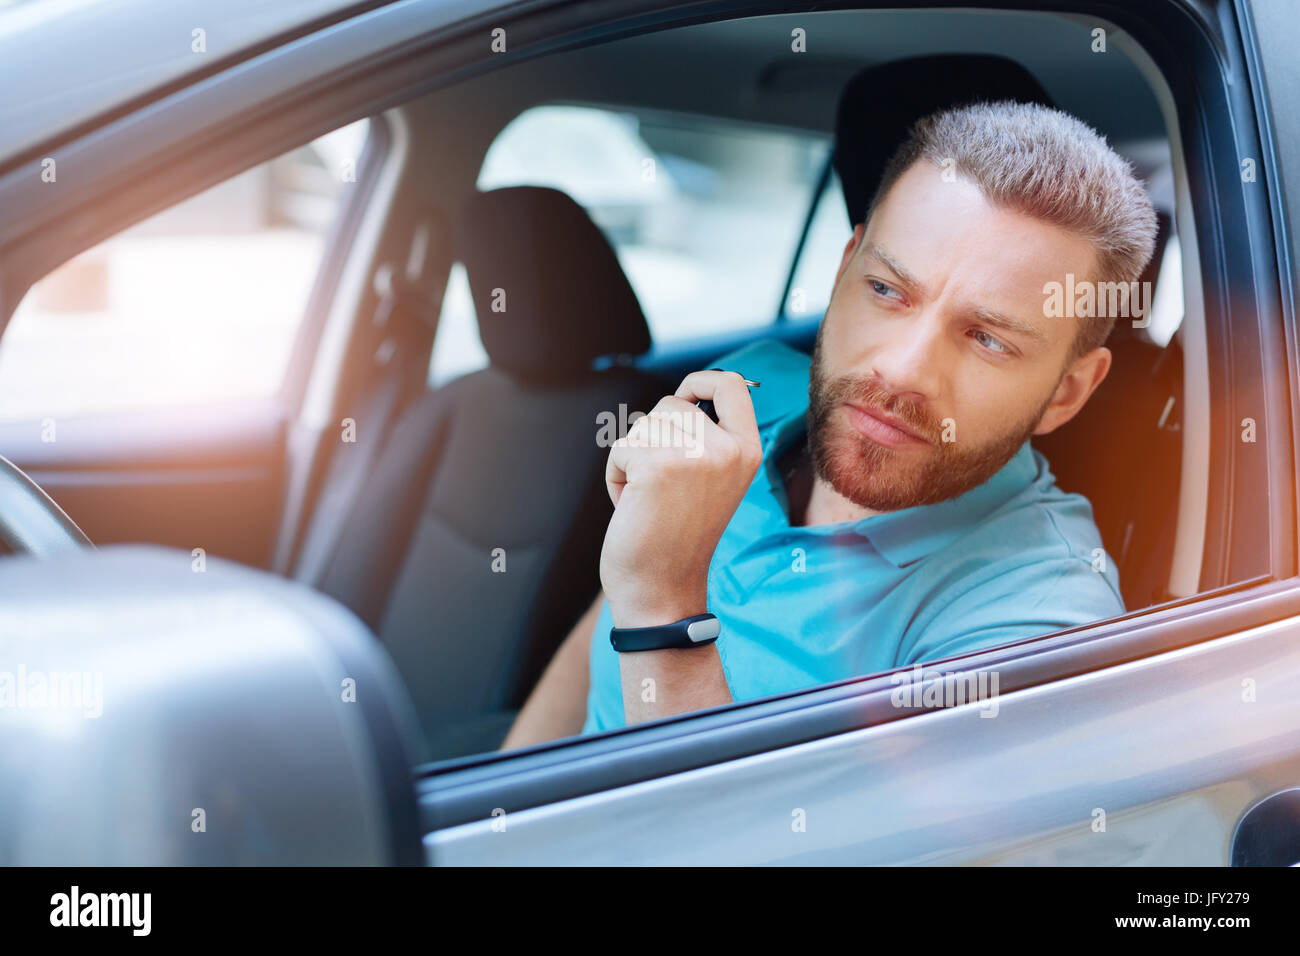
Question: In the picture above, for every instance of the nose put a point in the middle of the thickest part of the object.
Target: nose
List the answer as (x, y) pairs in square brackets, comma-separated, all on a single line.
[(909, 361)]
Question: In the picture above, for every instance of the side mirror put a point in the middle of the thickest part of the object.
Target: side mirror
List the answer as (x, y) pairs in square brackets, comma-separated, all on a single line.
[(158, 712)]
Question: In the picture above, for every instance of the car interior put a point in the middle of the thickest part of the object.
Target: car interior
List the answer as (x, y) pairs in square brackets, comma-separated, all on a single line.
[(464, 525), (444, 488)]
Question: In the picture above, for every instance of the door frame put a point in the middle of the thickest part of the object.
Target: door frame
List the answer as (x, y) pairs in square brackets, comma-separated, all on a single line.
[(133, 165)]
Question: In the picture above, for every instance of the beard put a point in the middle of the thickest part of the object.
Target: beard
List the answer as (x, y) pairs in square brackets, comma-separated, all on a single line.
[(874, 476)]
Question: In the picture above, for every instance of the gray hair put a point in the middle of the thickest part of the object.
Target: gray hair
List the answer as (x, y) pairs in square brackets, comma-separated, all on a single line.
[(1049, 165)]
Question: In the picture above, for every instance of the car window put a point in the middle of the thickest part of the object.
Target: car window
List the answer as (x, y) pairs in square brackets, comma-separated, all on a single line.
[(714, 241), (704, 216), (814, 273), (199, 303)]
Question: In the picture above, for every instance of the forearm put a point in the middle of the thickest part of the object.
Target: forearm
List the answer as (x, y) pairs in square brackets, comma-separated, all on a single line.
[(557, 707), (671, 681)]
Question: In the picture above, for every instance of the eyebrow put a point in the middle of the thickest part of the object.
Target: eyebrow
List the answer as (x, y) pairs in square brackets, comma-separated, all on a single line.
[(881, 256), (989, 316), (1009, 324)]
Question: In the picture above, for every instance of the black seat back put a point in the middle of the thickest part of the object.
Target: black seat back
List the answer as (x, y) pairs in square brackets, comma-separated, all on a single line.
[(879, 105), (1123, 452), (476, 545)]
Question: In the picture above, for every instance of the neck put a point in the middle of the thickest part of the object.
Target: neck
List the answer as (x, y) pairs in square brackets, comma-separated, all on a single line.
[(813, 501), (828, 506)]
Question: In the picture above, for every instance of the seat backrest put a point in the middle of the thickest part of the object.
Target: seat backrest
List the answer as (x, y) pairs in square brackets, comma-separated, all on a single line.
[(1123, 452), (475, 546), (879, 105)]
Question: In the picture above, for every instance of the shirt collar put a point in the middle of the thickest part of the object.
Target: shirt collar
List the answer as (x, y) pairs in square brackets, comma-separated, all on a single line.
[(912, 533)]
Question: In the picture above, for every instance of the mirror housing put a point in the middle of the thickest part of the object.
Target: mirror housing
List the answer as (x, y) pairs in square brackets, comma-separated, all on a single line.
[(164, 708)]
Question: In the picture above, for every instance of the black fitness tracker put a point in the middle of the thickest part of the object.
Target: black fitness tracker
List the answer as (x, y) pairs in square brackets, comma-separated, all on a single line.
[(688, 632)]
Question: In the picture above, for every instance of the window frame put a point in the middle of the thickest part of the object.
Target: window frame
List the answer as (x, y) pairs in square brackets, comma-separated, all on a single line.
[(183, 140), (820, 189), (338, 245), (1214, 115)]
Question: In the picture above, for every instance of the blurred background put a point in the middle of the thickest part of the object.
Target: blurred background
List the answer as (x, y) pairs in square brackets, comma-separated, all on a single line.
[(200, 303)]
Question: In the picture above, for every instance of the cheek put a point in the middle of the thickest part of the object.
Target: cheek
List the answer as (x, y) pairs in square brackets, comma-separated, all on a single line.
[(849, 329), (987, 407)]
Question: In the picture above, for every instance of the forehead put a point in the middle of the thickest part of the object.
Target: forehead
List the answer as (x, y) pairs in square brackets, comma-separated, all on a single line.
[(961, 247)]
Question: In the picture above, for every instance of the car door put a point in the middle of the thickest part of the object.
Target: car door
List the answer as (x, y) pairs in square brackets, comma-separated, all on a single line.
[(1161, 737), (146, 384), (1144, 738), (159, 352)]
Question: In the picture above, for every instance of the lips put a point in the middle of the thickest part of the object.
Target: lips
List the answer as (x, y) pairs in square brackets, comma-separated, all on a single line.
[(883, 428)]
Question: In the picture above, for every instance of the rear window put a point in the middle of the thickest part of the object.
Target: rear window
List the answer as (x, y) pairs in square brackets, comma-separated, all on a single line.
[(705, 216)]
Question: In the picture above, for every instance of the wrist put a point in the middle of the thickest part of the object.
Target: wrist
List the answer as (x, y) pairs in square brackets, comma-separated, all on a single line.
[(652, 610)]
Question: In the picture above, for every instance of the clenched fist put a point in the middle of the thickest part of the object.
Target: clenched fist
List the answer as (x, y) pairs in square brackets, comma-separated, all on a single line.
[(676, 479)]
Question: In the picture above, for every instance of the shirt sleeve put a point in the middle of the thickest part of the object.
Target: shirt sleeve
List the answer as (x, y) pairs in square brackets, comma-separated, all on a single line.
[(605, 687), (1003, 607)]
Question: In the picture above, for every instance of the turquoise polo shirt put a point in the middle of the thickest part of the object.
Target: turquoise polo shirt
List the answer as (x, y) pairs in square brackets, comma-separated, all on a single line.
[(1007, 560)]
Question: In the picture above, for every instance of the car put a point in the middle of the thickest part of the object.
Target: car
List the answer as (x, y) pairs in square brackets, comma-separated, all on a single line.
[(303, 483)]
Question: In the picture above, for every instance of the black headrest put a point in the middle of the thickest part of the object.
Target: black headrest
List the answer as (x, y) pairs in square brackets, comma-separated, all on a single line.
[(880, 104), (563, 298)]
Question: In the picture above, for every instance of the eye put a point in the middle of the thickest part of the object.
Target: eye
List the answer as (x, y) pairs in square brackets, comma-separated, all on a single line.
[(882, 289), (990, 343)]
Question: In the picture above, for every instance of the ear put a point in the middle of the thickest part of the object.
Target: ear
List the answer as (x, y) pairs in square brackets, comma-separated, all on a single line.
[(1076, 387), (849, 248)]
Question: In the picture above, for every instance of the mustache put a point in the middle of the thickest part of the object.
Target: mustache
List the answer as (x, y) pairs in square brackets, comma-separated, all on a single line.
[(872, 395)]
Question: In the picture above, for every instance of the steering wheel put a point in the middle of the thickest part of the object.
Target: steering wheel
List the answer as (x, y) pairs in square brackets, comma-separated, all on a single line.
[(30, 521)]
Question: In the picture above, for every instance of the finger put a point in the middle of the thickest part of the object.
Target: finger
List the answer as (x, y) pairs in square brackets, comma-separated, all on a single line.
[(730, 397), (680, 410), (682, 424), (674, 424), (616, 469), (664, 428)]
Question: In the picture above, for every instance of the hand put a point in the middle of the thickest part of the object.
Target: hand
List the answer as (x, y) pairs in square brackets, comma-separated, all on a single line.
[(676, 479)]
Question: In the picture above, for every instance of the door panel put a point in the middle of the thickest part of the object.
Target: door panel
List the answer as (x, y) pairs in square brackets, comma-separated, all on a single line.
[(210, 477), (1151, 762)]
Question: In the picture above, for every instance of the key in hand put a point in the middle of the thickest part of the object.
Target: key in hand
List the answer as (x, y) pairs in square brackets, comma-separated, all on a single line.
[(706, 404)]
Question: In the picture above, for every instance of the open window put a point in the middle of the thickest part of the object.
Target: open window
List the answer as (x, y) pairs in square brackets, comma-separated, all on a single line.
[(146, 383), (704, 213), (1161, 509)]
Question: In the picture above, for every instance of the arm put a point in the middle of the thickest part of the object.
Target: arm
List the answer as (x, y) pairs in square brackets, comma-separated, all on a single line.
[(671, 681), (675, 480), (557, 707)]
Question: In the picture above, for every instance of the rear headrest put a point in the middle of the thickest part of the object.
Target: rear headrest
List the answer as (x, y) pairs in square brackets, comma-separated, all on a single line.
[(560, 296), (880, 104)]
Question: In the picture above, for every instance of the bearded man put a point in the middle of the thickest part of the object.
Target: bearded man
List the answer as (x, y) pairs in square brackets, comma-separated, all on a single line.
[(880, 505)]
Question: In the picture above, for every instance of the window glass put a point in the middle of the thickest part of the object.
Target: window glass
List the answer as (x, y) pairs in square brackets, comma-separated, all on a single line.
[(704, 215), (810, 292), (199, 303)]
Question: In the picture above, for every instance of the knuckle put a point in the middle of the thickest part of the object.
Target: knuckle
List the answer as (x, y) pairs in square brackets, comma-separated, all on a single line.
[(731, 454), (751, 454), (665, 403)]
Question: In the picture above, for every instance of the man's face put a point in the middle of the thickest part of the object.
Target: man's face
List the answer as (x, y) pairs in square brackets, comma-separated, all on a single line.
[(935, 362)]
